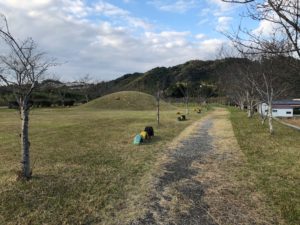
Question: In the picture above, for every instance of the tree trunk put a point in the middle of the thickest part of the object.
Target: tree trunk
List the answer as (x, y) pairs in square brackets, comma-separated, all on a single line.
[(241, 105), (186, 107), (262, 114), (187, 100), (263, 120), (157, 104), (270, 119), (250, 110), (25, 163)]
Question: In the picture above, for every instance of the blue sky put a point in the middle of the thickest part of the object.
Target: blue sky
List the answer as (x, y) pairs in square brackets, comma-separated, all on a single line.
[(109, 38)]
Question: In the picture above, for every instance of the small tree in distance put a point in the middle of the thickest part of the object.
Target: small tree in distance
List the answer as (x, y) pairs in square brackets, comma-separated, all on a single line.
[(158, 97), (85, 85), (22, 68)]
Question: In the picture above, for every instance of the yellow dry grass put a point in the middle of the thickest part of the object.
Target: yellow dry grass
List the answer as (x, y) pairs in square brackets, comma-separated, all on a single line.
[(231, 198), (86, 169), (137, 203), (139, 200)]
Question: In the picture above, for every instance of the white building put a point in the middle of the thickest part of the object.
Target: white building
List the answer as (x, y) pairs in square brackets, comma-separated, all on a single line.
[(281, 108)]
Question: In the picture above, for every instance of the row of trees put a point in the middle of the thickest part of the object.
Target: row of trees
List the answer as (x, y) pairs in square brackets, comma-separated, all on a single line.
[(265, 57), (258, 77)]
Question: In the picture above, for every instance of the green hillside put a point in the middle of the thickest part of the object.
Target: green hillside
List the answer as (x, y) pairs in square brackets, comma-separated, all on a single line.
[(209, 74), (194, 72), (127, 100)]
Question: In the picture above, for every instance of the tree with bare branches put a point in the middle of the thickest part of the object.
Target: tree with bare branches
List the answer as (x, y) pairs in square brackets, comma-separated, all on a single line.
[(22, 68), (184, 89), (158, 96), (283, 14), (269, 81), (85, 85), (272, 52), (236, 81)]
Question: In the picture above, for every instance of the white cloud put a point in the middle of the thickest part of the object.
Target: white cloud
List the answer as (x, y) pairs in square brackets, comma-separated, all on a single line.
[(223, 23), (266, 28), (200, 36), (179, 6), (204, 22), (221, 6), (211, 46), (109, 9), (29, 4), (167, 39), (102, 39)]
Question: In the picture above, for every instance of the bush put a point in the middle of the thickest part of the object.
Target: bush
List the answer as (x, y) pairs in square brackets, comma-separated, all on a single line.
[(69, 102), (42, 103), (13, 105)]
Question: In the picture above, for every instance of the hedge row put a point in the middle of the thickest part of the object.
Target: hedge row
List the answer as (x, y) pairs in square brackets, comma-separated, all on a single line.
[(43, 103)]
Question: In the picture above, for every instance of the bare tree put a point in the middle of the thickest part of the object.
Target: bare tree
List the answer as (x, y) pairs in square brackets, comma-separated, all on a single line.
[(184, 89), (158, 105), (236, 80), (244, 75), (85, 84), (23, 68), (268, 79), (62, 91), (231, 84), (270, 82), (266, 76), (270, 51), (283, 14)]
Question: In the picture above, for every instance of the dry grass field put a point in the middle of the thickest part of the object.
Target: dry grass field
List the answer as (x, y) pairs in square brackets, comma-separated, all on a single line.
[(85, 168), (273, 163)]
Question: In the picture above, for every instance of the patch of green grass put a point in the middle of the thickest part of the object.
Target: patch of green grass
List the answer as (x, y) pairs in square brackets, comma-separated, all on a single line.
[(275, 161), (127, 100), (85, 165)]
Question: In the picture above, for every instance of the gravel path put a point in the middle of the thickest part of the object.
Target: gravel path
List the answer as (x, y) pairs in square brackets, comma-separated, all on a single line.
[(177, 196)]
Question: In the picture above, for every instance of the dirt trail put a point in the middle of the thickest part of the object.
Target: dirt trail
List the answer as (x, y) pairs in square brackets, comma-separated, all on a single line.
[(197, 184), (178, 195)]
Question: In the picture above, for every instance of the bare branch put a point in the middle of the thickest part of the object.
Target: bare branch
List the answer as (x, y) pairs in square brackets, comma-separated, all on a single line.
[(238, 1)]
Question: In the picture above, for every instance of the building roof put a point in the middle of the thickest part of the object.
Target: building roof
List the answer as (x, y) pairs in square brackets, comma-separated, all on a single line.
[(291, 102), (282, 107)]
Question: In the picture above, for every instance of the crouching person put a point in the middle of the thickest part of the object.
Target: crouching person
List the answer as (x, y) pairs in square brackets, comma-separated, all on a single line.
[(144, 135), (149, 131)]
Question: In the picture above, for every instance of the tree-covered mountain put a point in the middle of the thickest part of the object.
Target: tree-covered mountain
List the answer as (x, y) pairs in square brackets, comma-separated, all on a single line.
[(202, 78), (207, 77), (193, 73)]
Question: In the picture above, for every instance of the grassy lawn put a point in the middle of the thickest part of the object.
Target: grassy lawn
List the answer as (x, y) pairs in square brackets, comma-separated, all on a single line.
[(86, 169), (273, 160)]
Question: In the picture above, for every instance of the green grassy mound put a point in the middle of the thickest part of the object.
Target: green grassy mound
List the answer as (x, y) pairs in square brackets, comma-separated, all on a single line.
[(128, 100)]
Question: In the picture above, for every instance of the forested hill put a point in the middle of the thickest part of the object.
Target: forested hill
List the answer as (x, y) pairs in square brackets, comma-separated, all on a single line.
[(170, 81), (210, 78), (193, 72)]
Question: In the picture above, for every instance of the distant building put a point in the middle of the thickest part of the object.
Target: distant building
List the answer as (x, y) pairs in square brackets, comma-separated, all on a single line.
[(281, 108)]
